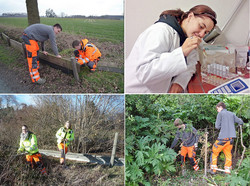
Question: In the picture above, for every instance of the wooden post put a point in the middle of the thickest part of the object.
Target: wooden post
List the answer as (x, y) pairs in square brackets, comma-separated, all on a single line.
[(205, 167), (8, 40), (112, 159), (24, 50), (73, 62), (5, 37)]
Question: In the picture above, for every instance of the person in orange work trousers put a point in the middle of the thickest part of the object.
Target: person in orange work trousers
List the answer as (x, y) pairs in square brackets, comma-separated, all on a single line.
[(28, 143), (225, 123), (188, 134), (31, 35), (86, 53), (64, 136)]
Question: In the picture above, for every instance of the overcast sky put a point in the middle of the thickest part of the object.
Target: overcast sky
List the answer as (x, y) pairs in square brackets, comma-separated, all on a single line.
[(69, 7)]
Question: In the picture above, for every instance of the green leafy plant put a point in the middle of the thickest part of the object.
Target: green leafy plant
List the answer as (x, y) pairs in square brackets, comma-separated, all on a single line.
[(150, 130), (147, 155)]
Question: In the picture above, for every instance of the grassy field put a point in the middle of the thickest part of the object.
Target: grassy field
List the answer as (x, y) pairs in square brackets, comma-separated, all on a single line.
[(106, 34), (102, 29)]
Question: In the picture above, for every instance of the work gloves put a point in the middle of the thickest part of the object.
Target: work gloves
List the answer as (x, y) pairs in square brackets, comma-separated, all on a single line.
[(195, 146)]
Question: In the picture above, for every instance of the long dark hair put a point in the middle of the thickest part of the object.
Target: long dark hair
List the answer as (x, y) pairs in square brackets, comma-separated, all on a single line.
[(199, 11)]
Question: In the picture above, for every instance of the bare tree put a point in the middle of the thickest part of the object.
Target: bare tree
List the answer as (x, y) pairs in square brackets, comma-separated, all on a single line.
[(95, 118), (32, 11)]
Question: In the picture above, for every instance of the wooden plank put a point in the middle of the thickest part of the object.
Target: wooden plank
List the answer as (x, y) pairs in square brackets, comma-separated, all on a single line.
[(107, 64), (74, 67), (57, 61), (65, 63), (111, 69), (16, 45), (24, 50), (104, 160), (6, 38)]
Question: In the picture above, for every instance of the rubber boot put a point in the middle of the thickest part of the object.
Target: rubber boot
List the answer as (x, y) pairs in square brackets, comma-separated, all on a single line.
[(41, 81)]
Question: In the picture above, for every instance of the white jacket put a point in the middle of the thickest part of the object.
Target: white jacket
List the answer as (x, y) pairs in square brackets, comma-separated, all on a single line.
[(156, 61)]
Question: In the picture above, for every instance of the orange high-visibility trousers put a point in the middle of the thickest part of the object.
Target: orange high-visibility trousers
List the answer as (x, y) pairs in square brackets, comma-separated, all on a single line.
[(37, 159), (61, 148), (92, 64), (191, 155), (226, 145), (32, 51)]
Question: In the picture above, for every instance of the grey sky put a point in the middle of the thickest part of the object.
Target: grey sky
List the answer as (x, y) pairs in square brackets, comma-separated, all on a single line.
[(68, 7)]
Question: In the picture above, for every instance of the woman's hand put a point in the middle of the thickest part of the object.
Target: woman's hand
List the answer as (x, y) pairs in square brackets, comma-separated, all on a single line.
[(190, 44), (176, 88)]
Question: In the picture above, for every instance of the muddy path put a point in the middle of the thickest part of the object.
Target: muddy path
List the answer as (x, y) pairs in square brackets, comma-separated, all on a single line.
[(10, 81)]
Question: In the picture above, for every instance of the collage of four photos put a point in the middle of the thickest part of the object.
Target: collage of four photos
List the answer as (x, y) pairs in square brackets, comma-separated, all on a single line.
[(123, 92)]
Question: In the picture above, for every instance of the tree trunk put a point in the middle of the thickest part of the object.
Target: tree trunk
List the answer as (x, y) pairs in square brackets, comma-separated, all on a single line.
[(32, 11)]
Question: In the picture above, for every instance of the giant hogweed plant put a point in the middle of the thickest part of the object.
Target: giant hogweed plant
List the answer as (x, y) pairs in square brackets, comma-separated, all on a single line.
[(146, 152)]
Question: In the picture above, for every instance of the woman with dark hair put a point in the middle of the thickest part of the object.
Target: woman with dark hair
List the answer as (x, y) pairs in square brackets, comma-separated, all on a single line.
[(163, 58), (64, 136)]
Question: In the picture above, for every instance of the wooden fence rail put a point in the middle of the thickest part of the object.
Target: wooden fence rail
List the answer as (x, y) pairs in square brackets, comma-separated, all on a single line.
[(88, 158), (62, 62)]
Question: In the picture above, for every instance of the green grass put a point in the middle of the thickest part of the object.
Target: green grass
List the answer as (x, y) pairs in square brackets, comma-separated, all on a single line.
[(111, 82), (7, 56), (102, 29)]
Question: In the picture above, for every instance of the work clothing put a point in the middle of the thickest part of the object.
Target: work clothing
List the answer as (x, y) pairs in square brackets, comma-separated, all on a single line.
[(88, 54), (190, 151), (226, 145), (157, 61), (31, 35), (225, 123), (188, 136), (64, 136), (41, 33), (189, 139), (61, 147), (28, 143), (32, 51)]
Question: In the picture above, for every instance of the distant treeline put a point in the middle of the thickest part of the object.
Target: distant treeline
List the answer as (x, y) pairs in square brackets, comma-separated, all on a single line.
[(14, 15), (116, 17)]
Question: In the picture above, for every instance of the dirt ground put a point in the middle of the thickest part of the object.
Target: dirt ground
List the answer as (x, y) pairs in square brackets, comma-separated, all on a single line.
[(16, 79)]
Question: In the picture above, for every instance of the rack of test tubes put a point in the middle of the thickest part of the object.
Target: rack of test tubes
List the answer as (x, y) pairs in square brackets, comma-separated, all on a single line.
[(216, 74)]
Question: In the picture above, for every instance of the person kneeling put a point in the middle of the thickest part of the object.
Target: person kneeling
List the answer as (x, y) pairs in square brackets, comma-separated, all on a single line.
[(86, 53)]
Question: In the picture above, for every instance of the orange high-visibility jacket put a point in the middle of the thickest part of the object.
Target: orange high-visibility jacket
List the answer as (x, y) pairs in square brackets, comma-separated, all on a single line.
[(88, 52)]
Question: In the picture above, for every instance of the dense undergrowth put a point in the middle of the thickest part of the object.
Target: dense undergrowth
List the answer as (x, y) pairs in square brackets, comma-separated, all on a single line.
[(15, 171), (150, 132)]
